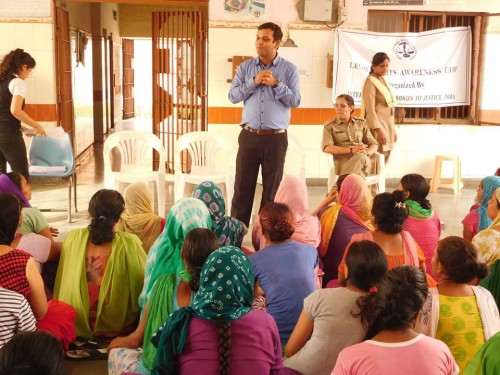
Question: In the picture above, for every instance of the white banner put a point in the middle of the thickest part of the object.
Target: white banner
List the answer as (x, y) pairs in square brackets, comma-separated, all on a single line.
[(428, 69)]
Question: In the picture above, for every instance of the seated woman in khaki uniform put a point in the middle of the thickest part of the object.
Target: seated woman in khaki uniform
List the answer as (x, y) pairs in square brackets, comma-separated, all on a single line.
[(349, 140)]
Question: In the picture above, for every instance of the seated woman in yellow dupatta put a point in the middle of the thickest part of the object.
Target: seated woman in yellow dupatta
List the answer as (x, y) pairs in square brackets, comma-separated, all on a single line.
[(139, 217), (101, 271), (378, 103), (340, 221)]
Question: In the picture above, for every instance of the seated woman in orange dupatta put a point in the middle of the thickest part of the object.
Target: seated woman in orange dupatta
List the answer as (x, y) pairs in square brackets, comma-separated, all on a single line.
[(293, 192), (389, 213), (340, 221), (139, 217)]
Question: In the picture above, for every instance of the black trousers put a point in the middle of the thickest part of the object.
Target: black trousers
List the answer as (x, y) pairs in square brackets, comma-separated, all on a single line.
[(254, 151), (14, 153)]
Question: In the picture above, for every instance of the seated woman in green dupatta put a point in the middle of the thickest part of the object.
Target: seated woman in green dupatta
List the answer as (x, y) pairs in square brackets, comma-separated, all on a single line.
[(186, 229), (101, 271), (219, 333), (486, 361)]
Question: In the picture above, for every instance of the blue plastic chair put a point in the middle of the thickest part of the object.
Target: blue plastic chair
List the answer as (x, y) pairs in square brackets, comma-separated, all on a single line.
[(54, 152)]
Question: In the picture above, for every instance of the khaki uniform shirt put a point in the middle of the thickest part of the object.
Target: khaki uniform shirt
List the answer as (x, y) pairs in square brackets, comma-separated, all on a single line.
[(337, 133)]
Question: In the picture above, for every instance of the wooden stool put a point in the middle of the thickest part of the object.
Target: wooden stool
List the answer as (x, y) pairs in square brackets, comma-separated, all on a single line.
[(455, 182)]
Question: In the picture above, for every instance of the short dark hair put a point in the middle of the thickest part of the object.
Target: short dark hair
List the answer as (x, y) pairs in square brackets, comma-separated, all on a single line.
[(348, 99), (459, 259), (277, 33), (418, 189), (390, 211), (378, 59), (276, 220), (28, 353), (198, 245), (366, 264), (105, 209)]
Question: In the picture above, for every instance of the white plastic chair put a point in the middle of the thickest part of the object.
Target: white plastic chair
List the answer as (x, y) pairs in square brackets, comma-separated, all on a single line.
[(295, 162), (136, 162), (372, 179), (207, 162)]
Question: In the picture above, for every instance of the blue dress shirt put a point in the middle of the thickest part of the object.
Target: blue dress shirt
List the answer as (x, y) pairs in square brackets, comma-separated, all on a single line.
[(265, 107)]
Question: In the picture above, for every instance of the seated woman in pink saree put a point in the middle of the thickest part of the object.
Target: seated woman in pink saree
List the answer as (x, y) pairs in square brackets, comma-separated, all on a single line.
[(293, 192)]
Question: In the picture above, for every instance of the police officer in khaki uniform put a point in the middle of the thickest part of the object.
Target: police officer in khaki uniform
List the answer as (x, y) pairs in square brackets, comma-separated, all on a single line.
[(349, 140)]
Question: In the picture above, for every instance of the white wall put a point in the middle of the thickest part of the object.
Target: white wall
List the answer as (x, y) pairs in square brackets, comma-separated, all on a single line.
[(491, 74), (414, 152), (417, 144), (38, 40)]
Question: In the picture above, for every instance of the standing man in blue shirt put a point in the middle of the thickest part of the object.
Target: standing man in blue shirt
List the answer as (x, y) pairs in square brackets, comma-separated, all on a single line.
[(269, 86)]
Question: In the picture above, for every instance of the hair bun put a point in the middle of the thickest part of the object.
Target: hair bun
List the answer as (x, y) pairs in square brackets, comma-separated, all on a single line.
[(284, 227), (481, 270)]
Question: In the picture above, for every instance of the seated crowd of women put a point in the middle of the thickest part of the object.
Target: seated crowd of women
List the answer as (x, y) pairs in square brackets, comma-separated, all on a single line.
[(365, 285)]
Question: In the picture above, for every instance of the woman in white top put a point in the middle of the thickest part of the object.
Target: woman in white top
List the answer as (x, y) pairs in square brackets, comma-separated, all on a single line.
[(15, 67), (327, 323)]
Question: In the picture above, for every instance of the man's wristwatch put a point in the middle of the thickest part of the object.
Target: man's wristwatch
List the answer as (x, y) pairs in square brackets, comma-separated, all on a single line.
[(276, 83)]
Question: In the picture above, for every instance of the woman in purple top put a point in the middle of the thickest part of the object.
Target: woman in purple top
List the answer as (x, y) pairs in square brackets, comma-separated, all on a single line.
[(219, 333), (284, 270)]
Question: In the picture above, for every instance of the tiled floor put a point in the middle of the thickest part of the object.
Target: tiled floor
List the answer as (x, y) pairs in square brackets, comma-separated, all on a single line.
[(451, 208)]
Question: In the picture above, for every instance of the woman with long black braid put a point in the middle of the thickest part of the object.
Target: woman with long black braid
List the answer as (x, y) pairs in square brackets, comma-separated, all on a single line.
[(219, 333)]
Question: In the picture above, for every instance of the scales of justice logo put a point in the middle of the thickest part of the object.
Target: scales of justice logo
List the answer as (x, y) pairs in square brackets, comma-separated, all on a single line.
[(404, 49)]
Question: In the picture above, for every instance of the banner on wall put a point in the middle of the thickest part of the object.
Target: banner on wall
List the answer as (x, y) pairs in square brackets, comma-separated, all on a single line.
[(428, 69)]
